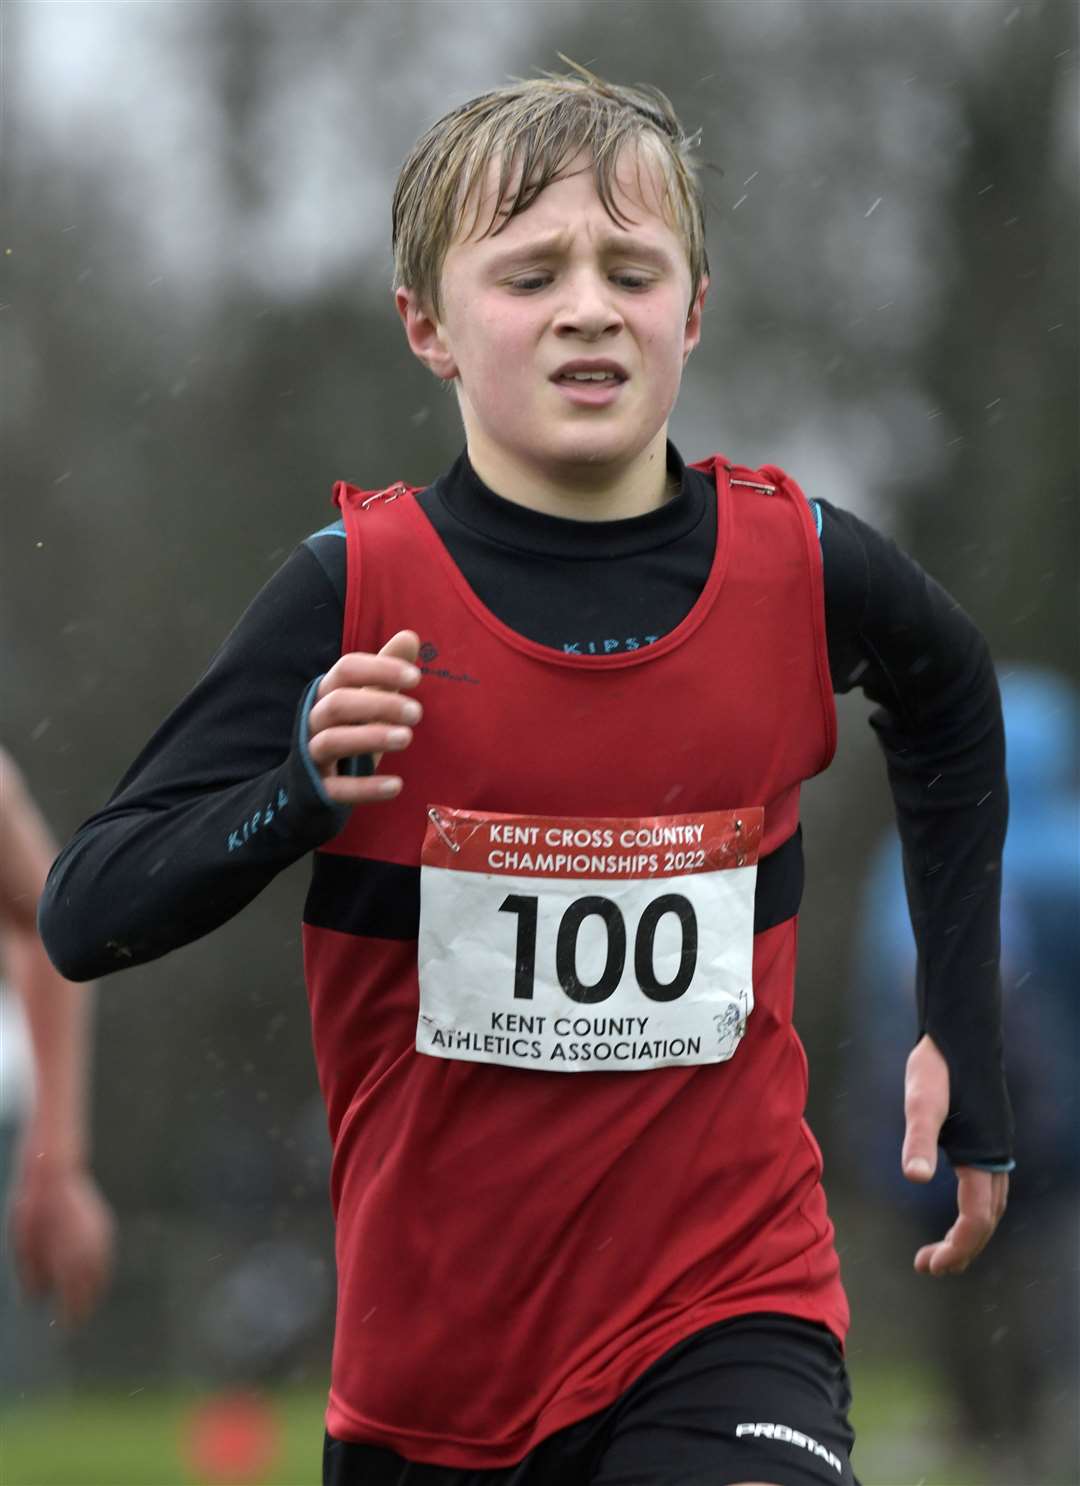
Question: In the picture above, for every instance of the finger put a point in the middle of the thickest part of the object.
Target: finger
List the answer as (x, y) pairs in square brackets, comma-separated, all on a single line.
[(391, 671), (972, 1230), (1000, 1190), (327, 746), (964, 1242), (338, 765), (348, 789), (403, 650), (357, 688), (354, 705), (335, 749), (405, 645), (975, 1193), (363, 688)]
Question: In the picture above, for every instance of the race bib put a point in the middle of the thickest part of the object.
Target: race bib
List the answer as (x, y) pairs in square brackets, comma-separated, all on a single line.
[(579, 945)]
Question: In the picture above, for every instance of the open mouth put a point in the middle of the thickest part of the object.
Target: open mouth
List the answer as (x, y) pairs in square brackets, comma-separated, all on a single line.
[(590, 389)]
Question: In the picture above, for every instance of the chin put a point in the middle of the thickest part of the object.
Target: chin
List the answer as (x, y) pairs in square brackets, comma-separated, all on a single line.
[(588, 448)]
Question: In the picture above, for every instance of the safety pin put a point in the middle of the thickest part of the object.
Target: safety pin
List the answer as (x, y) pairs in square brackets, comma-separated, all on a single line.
[(433, 816), (753, 485), (398, 489)]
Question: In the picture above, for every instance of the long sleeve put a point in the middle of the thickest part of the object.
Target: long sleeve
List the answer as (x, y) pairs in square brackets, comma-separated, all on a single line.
[(899, 637), (222, 798)]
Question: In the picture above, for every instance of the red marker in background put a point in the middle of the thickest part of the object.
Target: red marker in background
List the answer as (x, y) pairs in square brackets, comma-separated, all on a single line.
[(232, 1439)]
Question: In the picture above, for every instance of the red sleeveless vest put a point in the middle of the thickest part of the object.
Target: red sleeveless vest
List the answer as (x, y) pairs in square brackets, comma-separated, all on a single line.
[(515, 1247)]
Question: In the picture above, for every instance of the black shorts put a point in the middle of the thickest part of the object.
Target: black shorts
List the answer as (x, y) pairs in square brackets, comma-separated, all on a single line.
[(757, 1398)]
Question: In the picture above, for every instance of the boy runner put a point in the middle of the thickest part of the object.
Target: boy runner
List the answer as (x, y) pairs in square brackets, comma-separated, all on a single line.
[(550, 954)]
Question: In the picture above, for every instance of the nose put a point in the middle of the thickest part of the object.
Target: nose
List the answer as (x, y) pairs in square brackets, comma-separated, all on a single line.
[(588, 307)]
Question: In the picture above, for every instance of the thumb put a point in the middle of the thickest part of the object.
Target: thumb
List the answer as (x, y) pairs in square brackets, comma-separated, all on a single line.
[(919, 1168), (919, 1155), (926, 1105), (405, 645)]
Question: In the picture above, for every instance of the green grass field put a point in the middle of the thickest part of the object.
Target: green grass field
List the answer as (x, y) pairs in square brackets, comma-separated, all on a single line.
[(137, 1439)]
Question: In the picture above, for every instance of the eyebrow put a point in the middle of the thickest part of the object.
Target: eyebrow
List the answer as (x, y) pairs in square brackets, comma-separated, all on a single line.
[(547, 247)]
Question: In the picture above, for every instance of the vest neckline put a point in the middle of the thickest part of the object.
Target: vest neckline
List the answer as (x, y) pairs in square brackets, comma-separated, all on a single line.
[(473, 504), (621, 660)]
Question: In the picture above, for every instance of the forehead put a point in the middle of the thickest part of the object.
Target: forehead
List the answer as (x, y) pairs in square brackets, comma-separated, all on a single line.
[(639, 191)]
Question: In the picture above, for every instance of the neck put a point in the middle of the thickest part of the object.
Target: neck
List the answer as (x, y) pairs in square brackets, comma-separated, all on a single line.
[(579, 492)]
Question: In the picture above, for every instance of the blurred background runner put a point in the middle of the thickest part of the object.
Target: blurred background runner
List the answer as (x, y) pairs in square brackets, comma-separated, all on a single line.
[(1005, 1333), (58, 1227)]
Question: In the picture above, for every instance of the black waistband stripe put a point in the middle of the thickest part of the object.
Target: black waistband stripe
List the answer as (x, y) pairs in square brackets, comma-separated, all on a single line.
[(381, 900)]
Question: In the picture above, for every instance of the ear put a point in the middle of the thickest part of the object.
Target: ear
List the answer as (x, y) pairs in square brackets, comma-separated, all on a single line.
[(425, 335), (692, 333)]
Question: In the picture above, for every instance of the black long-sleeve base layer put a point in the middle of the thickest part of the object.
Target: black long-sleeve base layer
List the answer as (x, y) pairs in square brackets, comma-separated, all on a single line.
[(224, 796)]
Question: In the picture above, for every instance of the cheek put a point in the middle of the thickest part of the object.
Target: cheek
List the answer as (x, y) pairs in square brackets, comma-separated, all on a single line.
[(504, 361), (661, 332), (513, 334), (665, 355)]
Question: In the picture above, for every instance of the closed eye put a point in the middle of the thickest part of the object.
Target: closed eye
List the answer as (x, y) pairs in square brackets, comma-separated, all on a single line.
[(539, 281)]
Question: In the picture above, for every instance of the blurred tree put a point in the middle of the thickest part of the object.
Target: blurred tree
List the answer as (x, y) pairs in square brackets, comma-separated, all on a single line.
[(1002, 528)]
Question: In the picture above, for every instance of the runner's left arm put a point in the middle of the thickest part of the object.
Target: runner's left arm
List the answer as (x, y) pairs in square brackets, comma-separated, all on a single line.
[(898, 636)]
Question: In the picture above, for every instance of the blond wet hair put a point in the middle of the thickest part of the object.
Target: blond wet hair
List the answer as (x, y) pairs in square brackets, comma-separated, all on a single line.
[(534, 128)]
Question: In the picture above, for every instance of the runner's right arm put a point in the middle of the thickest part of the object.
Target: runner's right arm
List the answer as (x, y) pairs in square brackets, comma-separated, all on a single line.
[(224, 796)]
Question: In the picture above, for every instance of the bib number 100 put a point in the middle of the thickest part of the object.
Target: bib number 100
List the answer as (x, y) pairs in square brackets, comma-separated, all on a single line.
[(526, 908)]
